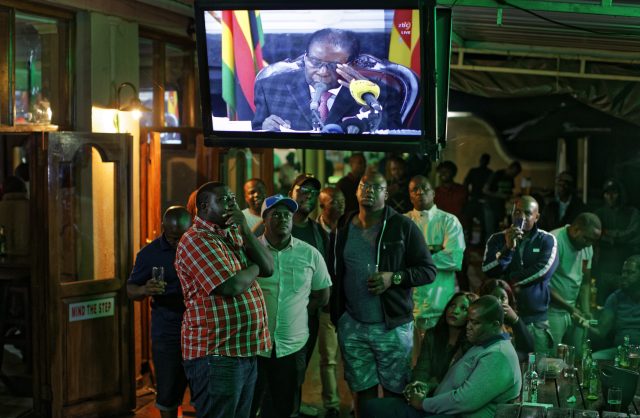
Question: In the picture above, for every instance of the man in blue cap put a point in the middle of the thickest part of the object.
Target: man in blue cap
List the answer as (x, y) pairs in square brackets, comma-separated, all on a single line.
[(300, 284)]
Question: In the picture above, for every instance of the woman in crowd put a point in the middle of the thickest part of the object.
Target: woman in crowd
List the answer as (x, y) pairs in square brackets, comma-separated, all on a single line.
[(443, 344), (520, 336)]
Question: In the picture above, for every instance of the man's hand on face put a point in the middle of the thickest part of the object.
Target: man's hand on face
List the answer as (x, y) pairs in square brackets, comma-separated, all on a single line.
[(234, 216), (379, 282), (274, 122), (348, 74)]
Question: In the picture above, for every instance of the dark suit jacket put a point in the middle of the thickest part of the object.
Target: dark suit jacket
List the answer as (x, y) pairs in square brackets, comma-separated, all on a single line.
[(287, 95)]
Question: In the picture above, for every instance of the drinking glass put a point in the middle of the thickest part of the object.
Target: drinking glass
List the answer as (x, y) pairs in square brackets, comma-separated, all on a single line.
[(371, 269), (157, 274), (569, 362), (634, 357), (614, 399)]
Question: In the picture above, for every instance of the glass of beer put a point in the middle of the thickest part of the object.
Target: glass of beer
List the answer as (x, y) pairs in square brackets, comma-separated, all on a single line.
[(614, 399), (634, 357), (157, 274)]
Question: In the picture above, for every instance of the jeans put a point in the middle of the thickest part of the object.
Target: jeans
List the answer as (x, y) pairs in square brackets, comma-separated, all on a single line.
[(222, 387), (542, 339), (564, 330)]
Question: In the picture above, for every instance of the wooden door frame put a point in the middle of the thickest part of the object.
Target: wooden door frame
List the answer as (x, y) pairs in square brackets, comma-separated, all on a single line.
[(111, 146)]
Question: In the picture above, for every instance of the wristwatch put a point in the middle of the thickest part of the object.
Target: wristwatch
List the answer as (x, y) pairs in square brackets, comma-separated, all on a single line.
[(396, 278)]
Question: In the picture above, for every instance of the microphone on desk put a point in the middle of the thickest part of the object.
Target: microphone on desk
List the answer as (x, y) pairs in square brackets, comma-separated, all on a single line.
[(354, 126), (332, 128), (366, 93), (319, 88)]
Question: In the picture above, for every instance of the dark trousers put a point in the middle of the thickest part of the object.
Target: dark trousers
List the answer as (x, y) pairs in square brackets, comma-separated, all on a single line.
[(277, 393), (221, 387)]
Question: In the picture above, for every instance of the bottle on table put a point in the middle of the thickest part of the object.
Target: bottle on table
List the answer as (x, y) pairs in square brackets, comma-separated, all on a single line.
[(587, 363), (618, 357), (624, 355), (3, 241), (530, 382), (594, 383)]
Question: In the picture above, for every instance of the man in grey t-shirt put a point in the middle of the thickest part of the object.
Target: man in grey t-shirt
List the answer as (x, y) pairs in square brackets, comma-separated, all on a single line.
[(571, 282)]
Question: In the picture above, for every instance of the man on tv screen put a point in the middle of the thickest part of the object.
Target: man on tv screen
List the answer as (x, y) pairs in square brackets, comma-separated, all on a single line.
[(317, 94)]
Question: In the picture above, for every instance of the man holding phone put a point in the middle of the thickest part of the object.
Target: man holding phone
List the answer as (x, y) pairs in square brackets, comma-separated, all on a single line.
[(285, 100), (525, 257), (155, 276)]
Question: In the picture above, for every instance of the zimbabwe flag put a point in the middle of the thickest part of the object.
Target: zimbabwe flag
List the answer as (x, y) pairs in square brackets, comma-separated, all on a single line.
[(242, 41), (404, 45)]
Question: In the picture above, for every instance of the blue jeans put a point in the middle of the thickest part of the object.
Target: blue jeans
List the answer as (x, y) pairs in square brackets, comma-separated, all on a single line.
[(222, 387)]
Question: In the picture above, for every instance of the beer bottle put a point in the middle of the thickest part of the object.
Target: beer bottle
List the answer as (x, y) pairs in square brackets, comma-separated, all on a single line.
[(3, 241), (624, 355), (594, 383)]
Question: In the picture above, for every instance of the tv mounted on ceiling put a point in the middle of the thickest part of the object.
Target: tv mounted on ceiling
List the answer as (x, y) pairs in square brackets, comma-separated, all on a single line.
[(354, 75)]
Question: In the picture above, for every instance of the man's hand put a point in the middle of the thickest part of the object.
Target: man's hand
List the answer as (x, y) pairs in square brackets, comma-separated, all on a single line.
[(234, 216), (415, 399), (348, 74), (581, 318), (379, 282), (154, 287), (273, 123), (512, 235)]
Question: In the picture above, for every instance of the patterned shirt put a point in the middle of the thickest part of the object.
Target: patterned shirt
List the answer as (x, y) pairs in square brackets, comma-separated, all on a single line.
[(234, 326)]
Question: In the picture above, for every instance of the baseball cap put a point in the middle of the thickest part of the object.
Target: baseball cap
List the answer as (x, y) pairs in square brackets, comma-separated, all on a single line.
[(611, 185), (271, 201), (306, 178)]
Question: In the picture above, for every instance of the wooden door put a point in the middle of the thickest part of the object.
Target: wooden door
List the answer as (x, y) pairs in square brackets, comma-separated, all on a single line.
[(89, 260), (150, 229)]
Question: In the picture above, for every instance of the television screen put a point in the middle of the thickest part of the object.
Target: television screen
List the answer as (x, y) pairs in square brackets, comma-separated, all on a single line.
[(353, 76)]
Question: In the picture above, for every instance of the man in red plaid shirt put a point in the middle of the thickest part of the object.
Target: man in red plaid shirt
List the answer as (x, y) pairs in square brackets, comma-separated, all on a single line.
[(224, 326)]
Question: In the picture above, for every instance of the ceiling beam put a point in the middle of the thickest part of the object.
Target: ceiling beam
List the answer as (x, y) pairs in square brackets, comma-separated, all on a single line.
[(606, 7), (458, 40), (550, 52)]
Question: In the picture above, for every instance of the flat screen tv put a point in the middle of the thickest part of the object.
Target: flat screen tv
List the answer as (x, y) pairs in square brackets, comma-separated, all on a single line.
[(357, 75)]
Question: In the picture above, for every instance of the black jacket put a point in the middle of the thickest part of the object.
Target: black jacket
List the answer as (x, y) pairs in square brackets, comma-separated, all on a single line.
[(401, 248)]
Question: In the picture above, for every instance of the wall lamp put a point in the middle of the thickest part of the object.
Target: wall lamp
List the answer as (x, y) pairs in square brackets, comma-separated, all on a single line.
[(134, 105)]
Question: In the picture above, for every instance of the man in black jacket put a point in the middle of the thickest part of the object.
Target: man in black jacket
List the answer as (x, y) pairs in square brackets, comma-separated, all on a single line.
[(377, 255)]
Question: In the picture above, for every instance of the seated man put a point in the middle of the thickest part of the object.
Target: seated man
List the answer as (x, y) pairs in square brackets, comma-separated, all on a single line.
[(621, 312), (487, 375), (284, 100)]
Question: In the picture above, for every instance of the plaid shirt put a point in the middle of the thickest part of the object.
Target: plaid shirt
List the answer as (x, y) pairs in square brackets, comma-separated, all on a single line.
[(234, 326)]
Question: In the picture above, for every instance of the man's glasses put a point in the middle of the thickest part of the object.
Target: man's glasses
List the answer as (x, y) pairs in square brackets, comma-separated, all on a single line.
[(377, 188), (316, 63), (308, 190)]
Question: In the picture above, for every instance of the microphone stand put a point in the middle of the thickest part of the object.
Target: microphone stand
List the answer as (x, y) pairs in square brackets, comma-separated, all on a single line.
[(374, 119), (316, 121)]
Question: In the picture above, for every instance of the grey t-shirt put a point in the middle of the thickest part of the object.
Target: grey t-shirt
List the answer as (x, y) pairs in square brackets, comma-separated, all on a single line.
[(359, 260), (627, 316)]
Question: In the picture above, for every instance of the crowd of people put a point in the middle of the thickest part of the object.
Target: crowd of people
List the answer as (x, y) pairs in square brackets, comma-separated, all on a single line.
[(372, 280)]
